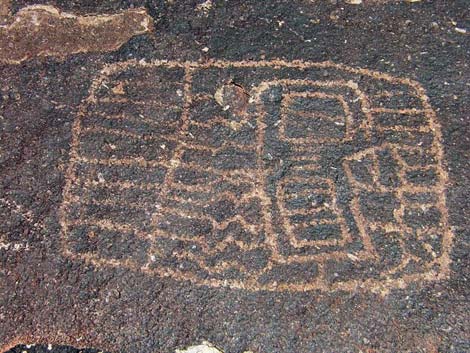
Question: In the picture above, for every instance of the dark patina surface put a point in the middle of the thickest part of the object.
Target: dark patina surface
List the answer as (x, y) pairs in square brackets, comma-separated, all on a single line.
[(108, 284)]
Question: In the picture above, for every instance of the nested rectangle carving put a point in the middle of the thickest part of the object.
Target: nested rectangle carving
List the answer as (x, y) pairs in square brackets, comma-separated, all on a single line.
[(258, 175)]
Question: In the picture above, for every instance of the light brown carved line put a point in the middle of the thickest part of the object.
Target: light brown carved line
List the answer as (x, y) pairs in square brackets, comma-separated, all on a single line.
[(353, 285), (374, 172), (410, 168), (224, 146), (247, 175), (217, 269), (166, 138), (107, 225), (257, 92), (197, 97), (416, 149), (198, 205), (137, 206), (205, 248), (411, 111), (242, 178), (309, 167), (356, 211), (178, 152), (308, 114), (403, 167), (204, 251), (140, 119), (387, 94), (251, 274), (301, 212), (266, 203), (305, 140), (139, 162), (114, 100), (298, 194), (213, 121), (119, 99), (409, 188), (348, 285), (132, 83), (274, 64), (302, 243), (401, 226), (89, 184), (127, 134), (27, 34), (289, 228), (126, 228), (206, 192), (301, 158), (250, 284), (216, 225), (200, 215), (348, 119), (398, 128), (71, 178), (363, 100), (399, 213)]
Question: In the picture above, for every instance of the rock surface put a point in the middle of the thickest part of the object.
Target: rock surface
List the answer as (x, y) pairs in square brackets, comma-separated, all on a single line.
[(291, 177)]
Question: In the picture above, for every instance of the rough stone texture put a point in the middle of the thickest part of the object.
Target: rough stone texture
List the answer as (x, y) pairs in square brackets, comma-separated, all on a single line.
[(54, 297), (28, 33)]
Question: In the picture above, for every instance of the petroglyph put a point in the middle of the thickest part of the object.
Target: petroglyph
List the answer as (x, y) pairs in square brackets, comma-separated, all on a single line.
[(301, 176), (28, 33)]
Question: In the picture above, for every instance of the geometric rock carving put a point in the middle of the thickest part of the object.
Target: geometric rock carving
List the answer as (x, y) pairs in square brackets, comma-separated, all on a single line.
[(268, 175)]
